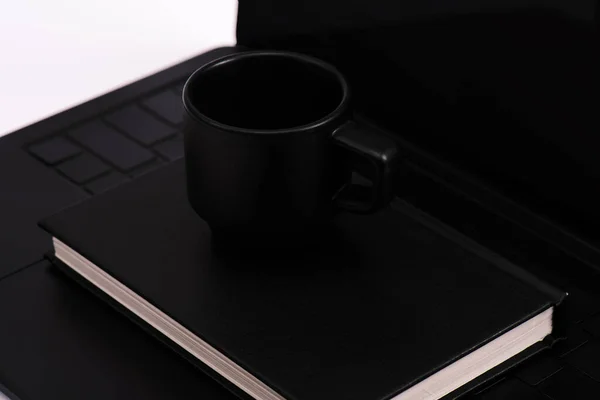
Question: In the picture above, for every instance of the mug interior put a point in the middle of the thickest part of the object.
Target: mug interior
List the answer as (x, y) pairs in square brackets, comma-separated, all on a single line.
[(266, 91)]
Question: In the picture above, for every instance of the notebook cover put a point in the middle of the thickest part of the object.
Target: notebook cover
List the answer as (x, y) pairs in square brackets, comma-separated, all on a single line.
[(394, 297), (473, 385)]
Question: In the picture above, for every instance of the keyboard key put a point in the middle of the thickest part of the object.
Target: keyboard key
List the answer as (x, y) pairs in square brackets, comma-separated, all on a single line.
[(144, 169), (167, 105), (538, 368), (106, 182), (83, 168), (570, 384), (110, 145), (140, 125), (512, 389), (54, 150), (171, 149), (587, 359)]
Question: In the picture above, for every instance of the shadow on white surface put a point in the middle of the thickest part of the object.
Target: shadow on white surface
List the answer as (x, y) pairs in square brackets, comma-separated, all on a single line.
[(61, 53)]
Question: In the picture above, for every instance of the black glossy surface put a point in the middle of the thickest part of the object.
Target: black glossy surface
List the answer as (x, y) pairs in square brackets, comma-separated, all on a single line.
[(383, 302), (261, 164)]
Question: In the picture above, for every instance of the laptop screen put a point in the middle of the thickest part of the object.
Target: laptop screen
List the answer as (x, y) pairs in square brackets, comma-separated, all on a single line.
[(505, 89), (264, 19)]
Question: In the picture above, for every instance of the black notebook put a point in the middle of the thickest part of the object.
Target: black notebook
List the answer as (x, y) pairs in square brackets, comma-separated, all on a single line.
[(395, 306)]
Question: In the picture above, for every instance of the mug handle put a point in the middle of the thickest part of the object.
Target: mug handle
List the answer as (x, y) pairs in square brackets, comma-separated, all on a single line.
[(375, 156)]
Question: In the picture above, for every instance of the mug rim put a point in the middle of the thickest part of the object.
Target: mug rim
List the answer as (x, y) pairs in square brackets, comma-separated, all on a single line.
[(335, 113)]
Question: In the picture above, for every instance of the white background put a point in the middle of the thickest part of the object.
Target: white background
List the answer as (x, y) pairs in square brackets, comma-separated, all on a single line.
[(55, 54)]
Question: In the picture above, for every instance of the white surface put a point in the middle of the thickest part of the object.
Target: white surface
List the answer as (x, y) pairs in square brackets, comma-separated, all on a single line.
[(59, 53)]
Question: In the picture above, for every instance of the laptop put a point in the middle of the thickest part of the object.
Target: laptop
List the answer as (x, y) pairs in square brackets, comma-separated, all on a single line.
[(494, 103)]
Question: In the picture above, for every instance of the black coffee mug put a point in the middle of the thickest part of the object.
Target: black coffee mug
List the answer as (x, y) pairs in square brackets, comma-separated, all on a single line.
[(270, 149)]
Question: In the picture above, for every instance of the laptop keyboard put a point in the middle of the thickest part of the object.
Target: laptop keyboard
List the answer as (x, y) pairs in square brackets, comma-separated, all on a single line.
[(140, 136), (124, 143)]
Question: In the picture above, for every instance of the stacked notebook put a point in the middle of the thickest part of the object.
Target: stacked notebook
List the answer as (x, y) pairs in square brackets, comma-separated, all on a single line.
[(395, 306)]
